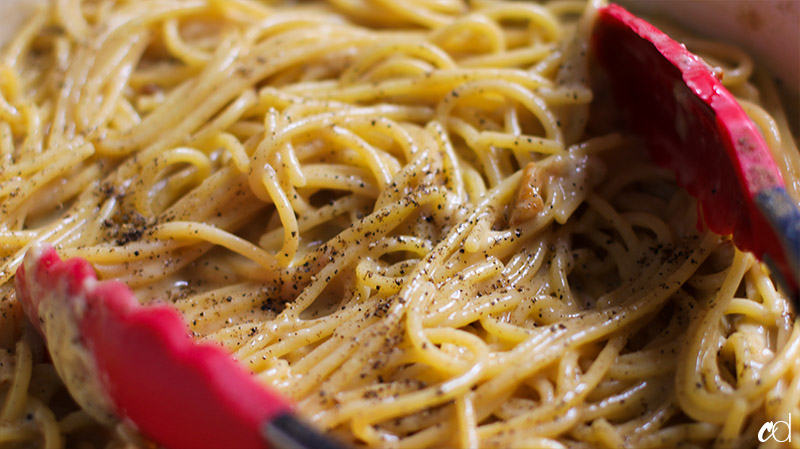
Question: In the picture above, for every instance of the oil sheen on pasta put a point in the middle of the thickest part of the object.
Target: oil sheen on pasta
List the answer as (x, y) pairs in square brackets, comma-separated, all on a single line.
[(399, 213)]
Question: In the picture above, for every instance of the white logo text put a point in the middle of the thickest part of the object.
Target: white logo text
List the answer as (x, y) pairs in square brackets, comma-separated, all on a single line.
[(770, 431)]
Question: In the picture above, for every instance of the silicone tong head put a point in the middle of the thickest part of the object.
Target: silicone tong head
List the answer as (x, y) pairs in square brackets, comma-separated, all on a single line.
[(693, 126), (124, 361)]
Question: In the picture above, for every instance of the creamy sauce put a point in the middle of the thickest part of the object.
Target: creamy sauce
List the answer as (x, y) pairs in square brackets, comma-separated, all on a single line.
[(59, 319)]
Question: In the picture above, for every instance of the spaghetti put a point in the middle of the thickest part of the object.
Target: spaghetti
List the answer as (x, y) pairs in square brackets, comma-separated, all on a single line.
[(398, 213)]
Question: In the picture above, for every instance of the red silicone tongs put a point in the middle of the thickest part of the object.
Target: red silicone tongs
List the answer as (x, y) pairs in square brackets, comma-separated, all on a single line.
[(124, 361), (695, 127)]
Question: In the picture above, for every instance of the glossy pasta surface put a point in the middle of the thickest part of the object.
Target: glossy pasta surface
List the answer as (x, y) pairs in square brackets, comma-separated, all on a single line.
[(404, 215)]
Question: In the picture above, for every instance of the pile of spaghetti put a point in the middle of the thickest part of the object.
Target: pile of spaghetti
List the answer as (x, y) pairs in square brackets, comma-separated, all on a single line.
[(400, 214)]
